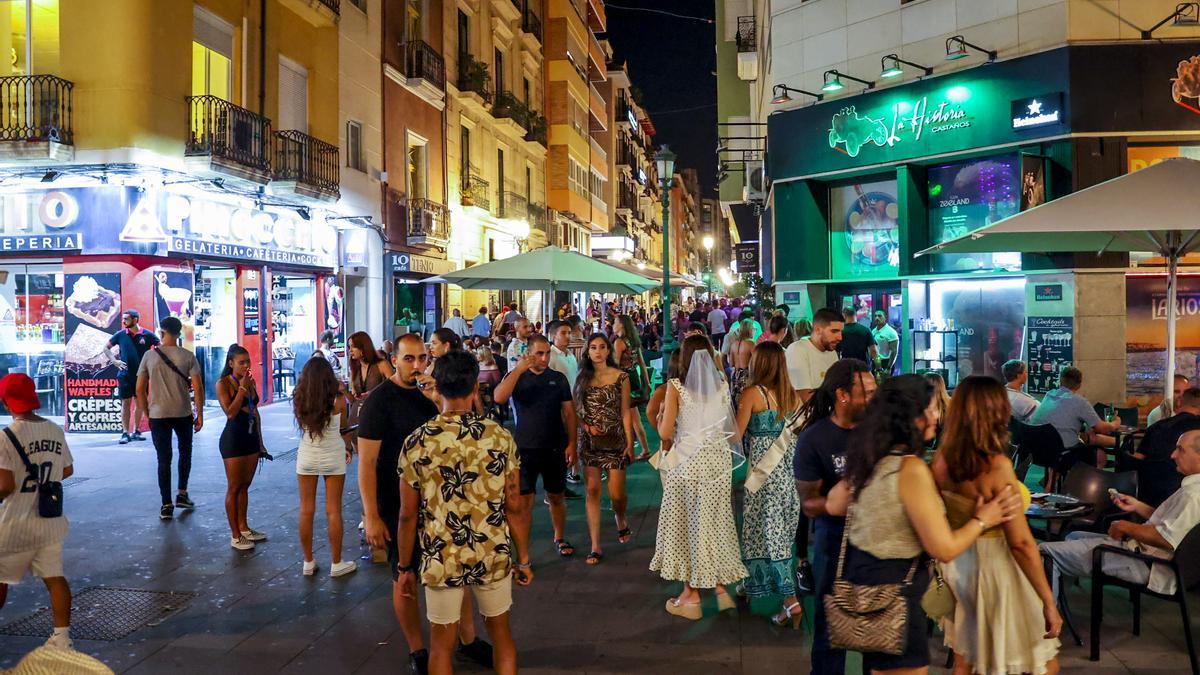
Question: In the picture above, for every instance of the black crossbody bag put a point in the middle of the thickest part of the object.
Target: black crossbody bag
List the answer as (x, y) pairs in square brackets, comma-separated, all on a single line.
[(171, 364), (50, 493)]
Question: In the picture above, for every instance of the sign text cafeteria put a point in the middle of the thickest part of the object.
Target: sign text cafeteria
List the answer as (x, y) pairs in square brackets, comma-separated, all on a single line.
[(130, 221)]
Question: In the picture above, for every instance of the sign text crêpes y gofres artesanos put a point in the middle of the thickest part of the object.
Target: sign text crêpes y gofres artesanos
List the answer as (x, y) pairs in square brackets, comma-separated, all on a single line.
[(127, 220)]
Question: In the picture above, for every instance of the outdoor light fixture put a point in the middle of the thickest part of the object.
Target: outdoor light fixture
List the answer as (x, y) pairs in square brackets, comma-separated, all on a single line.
[(956, 48), (304, 213), (51, 176), (889, 66), (1185, 14), (833, 81), (781, 94), (708, 242)]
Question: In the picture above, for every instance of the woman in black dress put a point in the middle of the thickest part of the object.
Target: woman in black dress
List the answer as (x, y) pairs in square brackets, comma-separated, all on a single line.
[(241, 442)]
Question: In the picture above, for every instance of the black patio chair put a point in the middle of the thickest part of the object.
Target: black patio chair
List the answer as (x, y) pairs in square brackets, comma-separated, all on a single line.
[(1184, 565), (1044, 447), (1090, 485)]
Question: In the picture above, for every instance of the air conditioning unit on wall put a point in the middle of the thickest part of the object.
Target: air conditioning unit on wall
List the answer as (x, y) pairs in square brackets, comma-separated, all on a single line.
[(755, 189)]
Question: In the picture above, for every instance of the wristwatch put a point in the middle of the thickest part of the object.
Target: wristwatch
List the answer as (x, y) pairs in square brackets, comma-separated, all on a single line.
[(405, 569)]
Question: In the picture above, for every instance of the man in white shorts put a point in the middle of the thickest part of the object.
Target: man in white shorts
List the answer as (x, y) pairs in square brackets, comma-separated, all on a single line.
[(28, 541)]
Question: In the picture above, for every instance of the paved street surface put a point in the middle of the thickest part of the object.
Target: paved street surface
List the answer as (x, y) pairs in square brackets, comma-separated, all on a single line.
[(256, 613)]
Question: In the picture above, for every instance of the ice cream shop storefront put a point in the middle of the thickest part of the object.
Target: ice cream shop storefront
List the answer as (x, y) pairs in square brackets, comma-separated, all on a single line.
[(73, 259)]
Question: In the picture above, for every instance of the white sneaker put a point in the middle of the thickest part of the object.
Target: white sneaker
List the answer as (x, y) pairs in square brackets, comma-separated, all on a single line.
[(242, 543), (60, 642), (362, 525), (254, 535), (343, 568), (310, 567)]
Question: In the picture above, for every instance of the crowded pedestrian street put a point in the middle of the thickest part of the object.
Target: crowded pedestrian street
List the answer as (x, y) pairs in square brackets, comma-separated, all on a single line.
[(255, 613)]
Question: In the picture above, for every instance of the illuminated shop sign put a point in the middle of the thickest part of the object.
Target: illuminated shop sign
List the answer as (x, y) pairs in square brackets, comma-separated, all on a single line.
[(907, 119), (1037, 111), (155, 222)]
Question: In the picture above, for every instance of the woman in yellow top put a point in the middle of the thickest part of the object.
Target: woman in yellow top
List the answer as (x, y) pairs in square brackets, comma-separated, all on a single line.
[(1006, 620)]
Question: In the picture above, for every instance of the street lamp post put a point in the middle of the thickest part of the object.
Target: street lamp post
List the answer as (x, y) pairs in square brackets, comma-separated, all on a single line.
[(665, 162), (708, 247)]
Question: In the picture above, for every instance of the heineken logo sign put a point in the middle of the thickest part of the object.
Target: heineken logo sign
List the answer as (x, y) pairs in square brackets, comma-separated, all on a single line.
[(908, 120), (1037, 111)]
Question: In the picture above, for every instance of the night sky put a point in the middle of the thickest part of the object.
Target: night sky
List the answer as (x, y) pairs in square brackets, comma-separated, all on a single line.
[(672, 61)]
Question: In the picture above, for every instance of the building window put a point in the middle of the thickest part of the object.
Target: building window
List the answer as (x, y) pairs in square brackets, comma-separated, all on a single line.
[(577, 115), (354, 150), (293, 95), (212, 56), (528, 93), (465, 154), (529, 185), (418, 167), (414, 19), (464, 34), (500, 174), (361, 4), (499, 57)]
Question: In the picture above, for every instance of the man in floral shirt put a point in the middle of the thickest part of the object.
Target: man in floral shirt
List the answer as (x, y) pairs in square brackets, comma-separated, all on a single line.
[(459, 490)]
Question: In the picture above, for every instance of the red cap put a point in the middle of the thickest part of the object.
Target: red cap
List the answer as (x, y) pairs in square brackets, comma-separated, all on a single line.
[(17, 392)]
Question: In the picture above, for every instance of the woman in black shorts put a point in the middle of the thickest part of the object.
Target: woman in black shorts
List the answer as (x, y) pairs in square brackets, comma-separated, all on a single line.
[(241, 442)]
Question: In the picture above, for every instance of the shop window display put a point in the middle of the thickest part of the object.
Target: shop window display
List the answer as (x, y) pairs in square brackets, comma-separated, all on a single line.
[(294, 318), (989, 317), (864, 230), (32, 329), (216, 322), (965, 196)]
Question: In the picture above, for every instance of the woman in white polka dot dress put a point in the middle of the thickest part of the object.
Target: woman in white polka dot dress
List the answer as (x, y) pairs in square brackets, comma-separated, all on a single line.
[(697, 539)]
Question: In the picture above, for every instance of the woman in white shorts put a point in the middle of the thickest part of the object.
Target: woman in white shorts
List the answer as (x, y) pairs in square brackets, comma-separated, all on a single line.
[(320, 407)]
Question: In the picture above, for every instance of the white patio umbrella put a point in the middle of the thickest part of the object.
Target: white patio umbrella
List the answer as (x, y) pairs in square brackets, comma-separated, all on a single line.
[(1155, 210)]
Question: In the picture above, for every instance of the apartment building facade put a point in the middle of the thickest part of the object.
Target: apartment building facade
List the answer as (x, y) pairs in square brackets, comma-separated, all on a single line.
[(191, 167)]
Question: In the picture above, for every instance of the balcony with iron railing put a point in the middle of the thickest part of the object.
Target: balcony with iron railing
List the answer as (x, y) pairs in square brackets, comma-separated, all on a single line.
[(747, 34), (428, 223), (539, 217), (36, 123), (509, 107), (307, 166), (531, 25), (513, 205), (229, 139), (476, 191), (320, 13), (538, 129), (423, 63), (474, 78)]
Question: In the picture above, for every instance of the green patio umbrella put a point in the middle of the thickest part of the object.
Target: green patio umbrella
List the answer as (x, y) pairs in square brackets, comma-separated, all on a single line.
[(550, 268), (1155, 210)]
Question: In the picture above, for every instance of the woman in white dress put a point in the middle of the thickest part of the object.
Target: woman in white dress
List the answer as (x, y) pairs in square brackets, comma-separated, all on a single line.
[(319, 407), (1006, 620), (697, 539)]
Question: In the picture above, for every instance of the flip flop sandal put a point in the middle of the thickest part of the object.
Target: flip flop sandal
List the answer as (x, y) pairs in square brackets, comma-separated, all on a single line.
[(565, 549), (594, 558), (624, 535)]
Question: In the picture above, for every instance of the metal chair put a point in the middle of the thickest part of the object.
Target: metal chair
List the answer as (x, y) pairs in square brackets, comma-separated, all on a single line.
[(1184, 565), (1044, 447)]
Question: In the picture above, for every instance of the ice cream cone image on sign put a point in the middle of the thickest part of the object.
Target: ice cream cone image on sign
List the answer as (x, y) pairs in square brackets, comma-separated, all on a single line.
[(92, 303), (143, 226)]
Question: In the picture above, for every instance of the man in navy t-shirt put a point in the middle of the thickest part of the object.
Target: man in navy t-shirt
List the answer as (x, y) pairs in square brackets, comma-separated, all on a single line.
[(545, 432), (818, 465), (132, 343)]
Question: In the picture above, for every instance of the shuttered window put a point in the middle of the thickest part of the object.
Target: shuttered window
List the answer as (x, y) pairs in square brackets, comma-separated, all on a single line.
[(354, 149), (293, 96)]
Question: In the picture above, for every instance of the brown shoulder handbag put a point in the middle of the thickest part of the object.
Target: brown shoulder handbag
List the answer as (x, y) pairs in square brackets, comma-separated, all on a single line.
[(867, 618)]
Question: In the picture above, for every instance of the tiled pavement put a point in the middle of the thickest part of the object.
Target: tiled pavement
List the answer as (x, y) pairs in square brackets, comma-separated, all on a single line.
[(255, 613)]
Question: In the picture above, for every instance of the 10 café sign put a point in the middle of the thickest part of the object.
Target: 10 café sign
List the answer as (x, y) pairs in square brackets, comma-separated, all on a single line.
[(126, 220)]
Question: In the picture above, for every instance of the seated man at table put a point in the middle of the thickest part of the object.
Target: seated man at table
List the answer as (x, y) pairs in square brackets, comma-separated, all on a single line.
[(1069, 413), (1016, 374), (1163, 410), (1157, 477), (1164, 529)]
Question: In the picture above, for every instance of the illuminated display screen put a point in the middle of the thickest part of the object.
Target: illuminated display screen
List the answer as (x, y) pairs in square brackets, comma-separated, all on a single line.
[(865, 230), (965, 196)]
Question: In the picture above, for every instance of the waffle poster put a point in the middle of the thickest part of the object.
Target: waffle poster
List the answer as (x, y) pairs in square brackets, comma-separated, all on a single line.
[(93, 313)]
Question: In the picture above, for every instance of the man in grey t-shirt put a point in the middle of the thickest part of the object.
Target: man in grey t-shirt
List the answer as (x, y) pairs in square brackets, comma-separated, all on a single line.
[(163, 382), (1070, 414)]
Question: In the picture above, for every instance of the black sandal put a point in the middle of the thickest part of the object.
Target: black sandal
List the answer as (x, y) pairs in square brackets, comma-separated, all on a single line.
[(624, 535), (565, 549), (594, 558)]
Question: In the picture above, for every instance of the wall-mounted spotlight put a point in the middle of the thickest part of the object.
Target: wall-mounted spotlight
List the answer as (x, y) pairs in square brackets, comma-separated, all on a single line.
[(956, 48), (1185, 14), (833, 81), (781, 94), (890, 66)]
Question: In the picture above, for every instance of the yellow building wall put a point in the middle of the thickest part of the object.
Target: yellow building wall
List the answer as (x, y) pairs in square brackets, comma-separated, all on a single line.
[(131, 62)]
